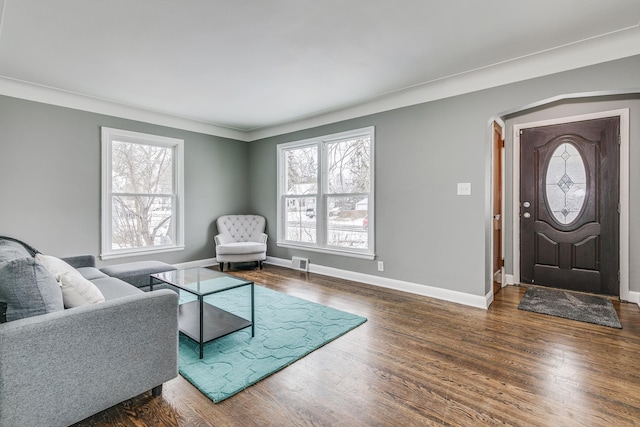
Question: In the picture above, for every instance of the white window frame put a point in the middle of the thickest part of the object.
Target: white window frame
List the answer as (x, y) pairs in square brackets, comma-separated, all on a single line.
[(321, 211), (109, 135)]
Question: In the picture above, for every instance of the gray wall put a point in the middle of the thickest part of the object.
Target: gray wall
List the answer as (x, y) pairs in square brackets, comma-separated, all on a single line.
[(426, 234), (50, 180)]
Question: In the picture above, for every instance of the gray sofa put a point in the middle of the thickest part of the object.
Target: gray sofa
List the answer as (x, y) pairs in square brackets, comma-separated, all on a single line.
[(65, 365)]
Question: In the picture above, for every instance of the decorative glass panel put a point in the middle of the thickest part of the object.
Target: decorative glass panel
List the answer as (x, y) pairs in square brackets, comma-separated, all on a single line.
[(566, 183)]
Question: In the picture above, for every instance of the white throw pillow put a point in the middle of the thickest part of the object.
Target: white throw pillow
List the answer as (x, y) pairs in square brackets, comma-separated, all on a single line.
[(77, 291), (54, 265)]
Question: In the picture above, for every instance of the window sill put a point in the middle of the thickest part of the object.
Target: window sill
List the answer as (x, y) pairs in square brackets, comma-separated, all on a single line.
[(330, 251), (143, 251)]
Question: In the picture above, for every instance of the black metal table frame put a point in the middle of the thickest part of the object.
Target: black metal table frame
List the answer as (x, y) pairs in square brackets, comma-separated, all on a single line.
[(203, 306)]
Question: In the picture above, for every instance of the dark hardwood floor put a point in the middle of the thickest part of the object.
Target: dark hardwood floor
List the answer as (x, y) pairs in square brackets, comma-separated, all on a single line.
[(419, 361)]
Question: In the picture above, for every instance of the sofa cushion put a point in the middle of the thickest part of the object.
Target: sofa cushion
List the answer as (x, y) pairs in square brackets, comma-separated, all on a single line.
[(78, 291), (238, 248), (137, 273), (113, 288), (28, 289), (91, 273)]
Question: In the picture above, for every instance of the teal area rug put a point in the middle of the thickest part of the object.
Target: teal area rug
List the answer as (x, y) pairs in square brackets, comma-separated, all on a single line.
[(286, 329)]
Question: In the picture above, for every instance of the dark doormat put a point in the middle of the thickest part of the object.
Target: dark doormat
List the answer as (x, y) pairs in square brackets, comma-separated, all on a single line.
[(570, 305)]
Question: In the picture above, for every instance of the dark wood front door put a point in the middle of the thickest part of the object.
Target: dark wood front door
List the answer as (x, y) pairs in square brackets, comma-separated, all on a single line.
[(569, 195)]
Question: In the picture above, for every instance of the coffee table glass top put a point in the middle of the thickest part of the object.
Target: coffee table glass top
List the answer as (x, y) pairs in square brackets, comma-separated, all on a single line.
[(201, 281)]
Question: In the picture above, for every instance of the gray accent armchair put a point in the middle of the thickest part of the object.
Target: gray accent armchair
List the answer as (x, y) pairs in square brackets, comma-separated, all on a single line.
[(241, 238)]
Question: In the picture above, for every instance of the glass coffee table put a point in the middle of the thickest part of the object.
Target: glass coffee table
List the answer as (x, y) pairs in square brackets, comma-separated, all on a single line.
[(199, 320)]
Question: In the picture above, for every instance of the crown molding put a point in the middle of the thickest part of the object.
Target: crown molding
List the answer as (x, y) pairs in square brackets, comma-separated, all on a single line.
[(608, 47), (48, 95), (605, 48)]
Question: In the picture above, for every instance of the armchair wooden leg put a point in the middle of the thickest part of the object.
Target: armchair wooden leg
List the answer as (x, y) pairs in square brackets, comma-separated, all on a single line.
[(156, 391), (222, 266), (260, 264)]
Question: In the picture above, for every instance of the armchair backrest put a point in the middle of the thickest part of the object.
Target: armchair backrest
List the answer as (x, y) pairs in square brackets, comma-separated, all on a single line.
[(242, 228)]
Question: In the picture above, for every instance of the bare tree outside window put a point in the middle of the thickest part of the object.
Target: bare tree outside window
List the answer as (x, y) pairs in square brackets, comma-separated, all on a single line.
[(349, 166), (142, 201), (302, 170), (348, 176)]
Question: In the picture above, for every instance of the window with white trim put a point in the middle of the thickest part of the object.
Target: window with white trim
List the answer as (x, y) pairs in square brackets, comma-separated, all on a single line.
[(142, 193), (326, 193)]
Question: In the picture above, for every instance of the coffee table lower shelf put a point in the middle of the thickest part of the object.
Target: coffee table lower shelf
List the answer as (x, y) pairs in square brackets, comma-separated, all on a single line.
[(217, 322)]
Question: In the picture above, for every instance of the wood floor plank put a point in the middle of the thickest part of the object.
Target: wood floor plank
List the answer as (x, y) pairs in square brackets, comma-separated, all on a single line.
[(419, 361)]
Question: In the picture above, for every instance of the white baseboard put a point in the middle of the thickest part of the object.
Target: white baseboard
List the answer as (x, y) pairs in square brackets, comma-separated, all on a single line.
[(634, 297), (384, 282), (489, 297), (414, 288)]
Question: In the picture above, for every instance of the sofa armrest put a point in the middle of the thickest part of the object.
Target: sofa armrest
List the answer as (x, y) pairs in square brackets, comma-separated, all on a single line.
[(222, 239), (81, 261), (61, 367), (263, 238)]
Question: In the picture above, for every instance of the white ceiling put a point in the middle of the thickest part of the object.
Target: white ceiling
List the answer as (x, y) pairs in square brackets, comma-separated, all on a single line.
[(247, 65)]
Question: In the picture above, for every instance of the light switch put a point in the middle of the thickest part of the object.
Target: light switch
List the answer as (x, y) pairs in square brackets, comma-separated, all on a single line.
[(464, 189)]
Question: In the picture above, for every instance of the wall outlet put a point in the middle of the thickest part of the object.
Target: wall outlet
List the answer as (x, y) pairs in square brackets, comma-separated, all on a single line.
[(464, 189), (380, 266)]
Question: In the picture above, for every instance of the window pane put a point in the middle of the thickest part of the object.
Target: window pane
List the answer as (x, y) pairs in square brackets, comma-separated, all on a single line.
[(300, 224), (348, 223), (138, 168), (141, 221), (349, 166), (326, 193), (302, 170)]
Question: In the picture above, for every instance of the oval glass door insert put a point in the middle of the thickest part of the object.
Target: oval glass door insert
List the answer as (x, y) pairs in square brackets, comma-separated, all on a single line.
[(566, 183)]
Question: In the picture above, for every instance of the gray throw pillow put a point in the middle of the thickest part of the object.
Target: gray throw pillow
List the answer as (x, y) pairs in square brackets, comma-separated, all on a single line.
[(28, 289), (11, 250)]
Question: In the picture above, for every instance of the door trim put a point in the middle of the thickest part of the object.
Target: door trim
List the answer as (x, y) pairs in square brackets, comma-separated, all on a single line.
[(623, 114), (499, 123)]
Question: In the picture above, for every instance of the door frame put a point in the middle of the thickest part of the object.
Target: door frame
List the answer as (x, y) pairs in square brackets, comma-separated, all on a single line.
[(623, 114), (498, 186)]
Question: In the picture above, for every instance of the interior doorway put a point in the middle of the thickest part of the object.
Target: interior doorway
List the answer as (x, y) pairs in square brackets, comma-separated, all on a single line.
[(558, 237)]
